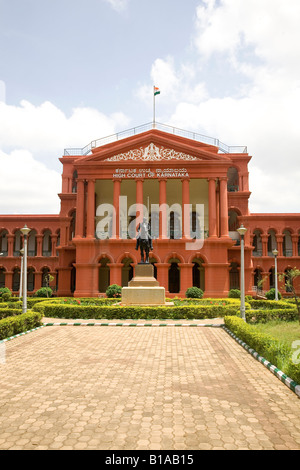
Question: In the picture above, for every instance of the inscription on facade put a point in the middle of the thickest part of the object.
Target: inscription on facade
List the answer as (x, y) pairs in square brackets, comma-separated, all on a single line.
[(135, 173)]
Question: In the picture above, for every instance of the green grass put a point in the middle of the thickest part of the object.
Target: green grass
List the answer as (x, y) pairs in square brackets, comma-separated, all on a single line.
[(286, 332)]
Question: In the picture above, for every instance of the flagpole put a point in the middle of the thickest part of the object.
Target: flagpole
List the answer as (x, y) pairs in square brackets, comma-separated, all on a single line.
[(153, 107)]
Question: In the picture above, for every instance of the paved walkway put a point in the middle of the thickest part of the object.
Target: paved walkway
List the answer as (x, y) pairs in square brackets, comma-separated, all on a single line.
[(68, 387)]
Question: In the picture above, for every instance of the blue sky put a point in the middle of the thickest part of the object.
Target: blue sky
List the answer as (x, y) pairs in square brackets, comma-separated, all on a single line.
[(72, 71)]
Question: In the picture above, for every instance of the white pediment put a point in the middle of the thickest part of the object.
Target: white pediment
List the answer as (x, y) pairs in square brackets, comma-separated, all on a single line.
[(152, 153)]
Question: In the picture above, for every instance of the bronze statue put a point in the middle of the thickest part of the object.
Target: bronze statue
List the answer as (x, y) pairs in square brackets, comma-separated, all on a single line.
[(144, 241)]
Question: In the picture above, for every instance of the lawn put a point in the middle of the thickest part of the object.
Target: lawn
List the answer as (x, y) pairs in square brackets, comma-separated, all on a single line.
[(286, 332)]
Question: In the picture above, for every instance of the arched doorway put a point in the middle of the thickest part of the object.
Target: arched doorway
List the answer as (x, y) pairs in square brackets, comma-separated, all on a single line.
[(272, 278), (16, 280), (174, 277), (127, 271), (258, 278), (2, 277), (73, 278), (104, 275), (30, 279), (198, 274)]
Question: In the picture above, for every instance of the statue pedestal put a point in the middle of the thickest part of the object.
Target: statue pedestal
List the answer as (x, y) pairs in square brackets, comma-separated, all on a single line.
[(143, 289)]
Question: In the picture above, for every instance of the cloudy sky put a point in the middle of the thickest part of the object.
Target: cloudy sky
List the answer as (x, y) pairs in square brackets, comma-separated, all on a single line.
[(72, 71)]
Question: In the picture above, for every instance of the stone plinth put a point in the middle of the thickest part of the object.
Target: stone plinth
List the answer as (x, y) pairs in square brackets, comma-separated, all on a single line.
[(143, 289)]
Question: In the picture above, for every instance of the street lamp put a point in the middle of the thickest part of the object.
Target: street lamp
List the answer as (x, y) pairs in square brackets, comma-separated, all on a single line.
[(21, 273), (25, 231), (242, 230), (275, 253)]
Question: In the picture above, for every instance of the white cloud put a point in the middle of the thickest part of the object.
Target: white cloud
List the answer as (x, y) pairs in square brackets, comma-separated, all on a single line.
[(27, 186), (118, 5), (2, 91), (258, 44), (45, 130), (32, 138)]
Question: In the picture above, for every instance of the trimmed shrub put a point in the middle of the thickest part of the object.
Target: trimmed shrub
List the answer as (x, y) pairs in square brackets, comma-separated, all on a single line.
[(6, 292), (9, 312), (59, 310), (114, 291), (266, 315), (269, 304), (234, 294), (18, 324), (271, 294), (194, 293), (44, 292)]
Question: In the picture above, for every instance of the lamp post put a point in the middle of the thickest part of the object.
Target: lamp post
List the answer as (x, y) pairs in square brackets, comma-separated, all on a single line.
[(275, 253), (242, 230), (25, 231), (21, 273)]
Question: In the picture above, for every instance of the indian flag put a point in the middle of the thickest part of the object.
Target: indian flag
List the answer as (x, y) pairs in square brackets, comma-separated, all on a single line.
[(156, 91)]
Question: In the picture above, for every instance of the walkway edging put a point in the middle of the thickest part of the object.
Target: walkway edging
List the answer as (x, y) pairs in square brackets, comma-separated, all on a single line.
[(21, 334), (291, 384), (135, 324)]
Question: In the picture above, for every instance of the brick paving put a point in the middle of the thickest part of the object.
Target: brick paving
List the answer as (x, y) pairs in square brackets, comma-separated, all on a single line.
[(68, 387)]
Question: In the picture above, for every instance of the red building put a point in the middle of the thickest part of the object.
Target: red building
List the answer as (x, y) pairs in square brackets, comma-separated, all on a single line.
[(195, 192)]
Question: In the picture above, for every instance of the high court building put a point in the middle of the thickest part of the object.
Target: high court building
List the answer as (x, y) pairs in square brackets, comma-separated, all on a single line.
[(193, 190)]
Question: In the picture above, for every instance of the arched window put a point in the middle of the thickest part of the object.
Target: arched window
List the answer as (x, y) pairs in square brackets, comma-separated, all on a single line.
[(17, 243), (232, 179), (287, 243), (74, 182), (47, 249), (72, 225), (3, 243), (32, 243), (257, 243), (272, 244), (57, 241), (233, 223)]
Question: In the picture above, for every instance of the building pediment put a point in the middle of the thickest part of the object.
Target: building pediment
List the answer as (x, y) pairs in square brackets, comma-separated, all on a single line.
[(154, 146), (151, 153)]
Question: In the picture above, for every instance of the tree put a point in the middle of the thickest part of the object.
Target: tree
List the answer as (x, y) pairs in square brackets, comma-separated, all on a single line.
[(289, 277)]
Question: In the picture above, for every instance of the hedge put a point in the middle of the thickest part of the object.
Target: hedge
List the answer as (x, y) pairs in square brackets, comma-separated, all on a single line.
[(58, 310), (269, 304), (264, 315), (9, 312), (276, 352), (18, 324)]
